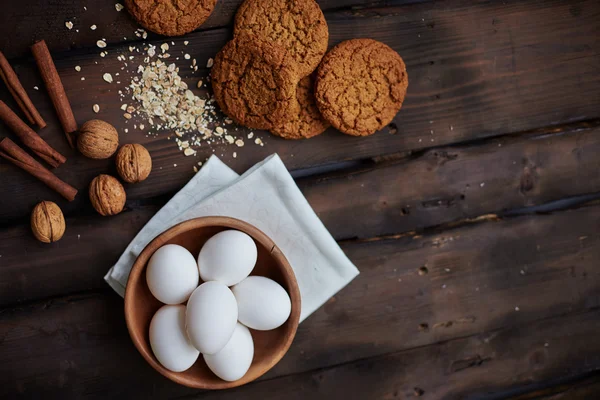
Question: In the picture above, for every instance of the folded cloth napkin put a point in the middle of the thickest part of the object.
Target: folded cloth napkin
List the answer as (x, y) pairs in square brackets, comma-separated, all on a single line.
[(267, 197)]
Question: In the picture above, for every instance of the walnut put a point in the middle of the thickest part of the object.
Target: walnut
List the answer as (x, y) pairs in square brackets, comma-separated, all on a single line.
[(47, 222), (107, 195), (97, 139), (133, 163)]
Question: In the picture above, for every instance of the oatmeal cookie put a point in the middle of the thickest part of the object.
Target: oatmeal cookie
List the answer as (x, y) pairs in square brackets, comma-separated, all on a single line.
[(296, 25), (254, 82), (308, 122), (170, 17), (360, 86)]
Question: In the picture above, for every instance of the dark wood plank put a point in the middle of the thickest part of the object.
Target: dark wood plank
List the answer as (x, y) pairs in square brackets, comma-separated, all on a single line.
[(587, 387), (452, 183), (30, 20), (481, 277), (484, 366), (439, 186), (475, 70)]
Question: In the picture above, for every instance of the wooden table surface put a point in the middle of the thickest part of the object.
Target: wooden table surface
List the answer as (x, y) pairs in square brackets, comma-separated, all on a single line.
[(474, 218)]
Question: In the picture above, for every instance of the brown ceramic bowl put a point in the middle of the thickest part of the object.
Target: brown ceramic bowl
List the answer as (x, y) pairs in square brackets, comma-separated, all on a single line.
[(140, 305)]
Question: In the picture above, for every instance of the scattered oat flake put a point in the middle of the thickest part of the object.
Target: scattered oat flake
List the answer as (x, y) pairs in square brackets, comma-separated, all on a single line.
[(189, 152), (186, 43), (127, 116), (69, 25), (83, 78), (219, 130), (93, 27), (239, 143), (199, 84), (123, 107), (250, 135), (36, 88), (107, 77), (234, 154), (517, 308), (142, 127), (96, 108), (77, 68), (210, 63), (164, 47), (229, 139), (119, 7), (258, 141), (195, 169), (187, 56), (101, 44)]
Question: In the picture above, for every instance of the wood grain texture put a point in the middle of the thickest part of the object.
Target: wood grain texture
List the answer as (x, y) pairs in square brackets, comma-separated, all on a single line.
[(488, 365), (436, 187), (31, 20), (585, 387), (474, 71), (484, 277)]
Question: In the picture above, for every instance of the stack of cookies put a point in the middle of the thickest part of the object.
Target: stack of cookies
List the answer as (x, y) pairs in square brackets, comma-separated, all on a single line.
[(275, 75)]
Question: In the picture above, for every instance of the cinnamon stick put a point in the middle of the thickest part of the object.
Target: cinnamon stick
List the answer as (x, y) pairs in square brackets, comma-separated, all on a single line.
[(13, 153), (29, 137), (15, 88), (55, 89)]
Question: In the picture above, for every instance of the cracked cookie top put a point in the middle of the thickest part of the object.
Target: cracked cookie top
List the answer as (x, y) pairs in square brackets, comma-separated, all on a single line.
[(307, 122), (360, 86), (296, 25), (170, 17), (255, 82)]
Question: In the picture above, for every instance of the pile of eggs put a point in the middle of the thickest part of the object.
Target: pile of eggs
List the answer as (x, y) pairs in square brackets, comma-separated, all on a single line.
[(215, 320)]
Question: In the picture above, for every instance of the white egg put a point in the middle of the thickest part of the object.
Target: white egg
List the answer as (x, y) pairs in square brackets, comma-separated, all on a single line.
[(172, 274), (169, 340), (211, 317), (227, 257), (234, 360), (263, 304)]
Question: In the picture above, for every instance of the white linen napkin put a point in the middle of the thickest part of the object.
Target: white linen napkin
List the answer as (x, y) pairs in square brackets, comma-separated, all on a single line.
[(267, 197)]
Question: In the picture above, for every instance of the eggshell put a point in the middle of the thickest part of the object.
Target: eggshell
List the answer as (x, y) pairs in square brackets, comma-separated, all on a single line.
[(227, 257), (234, 360), (263, 304), (211, 317), (172, 274), (169, 340)]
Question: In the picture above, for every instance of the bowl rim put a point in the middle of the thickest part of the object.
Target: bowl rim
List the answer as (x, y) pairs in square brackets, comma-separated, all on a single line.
[(201, 222)]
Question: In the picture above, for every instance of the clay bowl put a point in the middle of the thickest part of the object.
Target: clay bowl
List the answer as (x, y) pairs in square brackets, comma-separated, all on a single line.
[(140, 305)]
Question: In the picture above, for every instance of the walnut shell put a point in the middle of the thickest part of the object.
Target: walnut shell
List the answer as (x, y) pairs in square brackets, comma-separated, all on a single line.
[(107, 195), (97, 139), (47, 222), (133, 163)]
